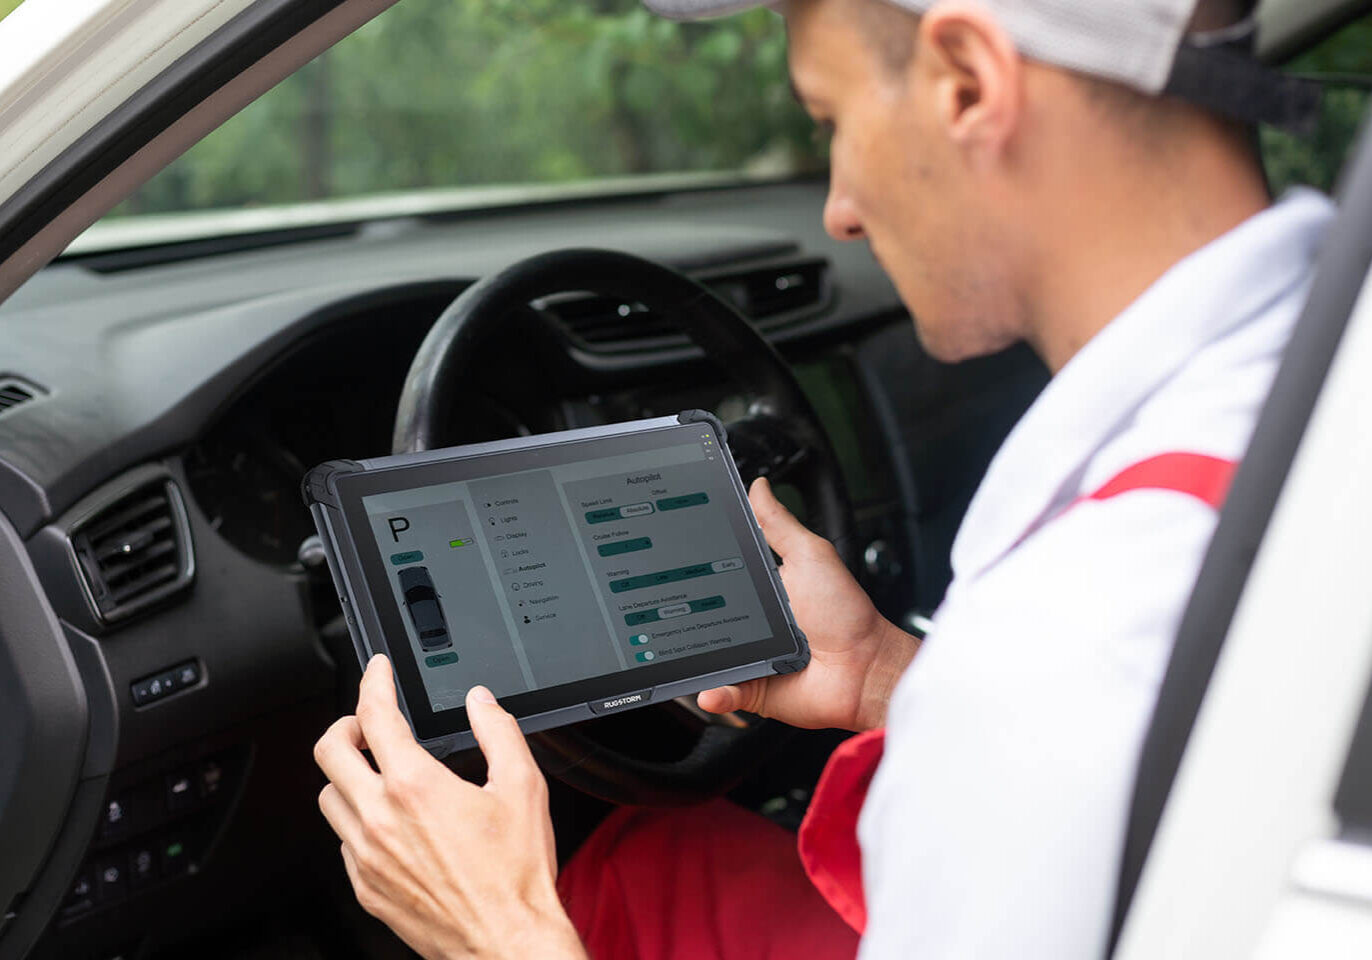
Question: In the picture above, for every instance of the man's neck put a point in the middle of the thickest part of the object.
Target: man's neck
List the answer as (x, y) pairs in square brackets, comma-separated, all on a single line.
[(1144, 215)]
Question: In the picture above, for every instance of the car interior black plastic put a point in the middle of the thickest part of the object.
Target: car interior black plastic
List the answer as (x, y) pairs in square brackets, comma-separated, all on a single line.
[(43, 713)]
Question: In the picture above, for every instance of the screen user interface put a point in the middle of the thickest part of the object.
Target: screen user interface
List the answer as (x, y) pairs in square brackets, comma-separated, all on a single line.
[(529, 580)]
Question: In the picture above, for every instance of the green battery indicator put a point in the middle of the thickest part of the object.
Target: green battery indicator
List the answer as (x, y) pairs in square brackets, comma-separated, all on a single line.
[(459, 543)]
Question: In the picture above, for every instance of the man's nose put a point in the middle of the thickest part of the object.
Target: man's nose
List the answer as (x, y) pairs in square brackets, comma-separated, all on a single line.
[(841, 219)]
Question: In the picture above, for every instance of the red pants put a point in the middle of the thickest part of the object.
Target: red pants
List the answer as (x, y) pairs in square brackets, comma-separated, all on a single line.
[(711, 882)]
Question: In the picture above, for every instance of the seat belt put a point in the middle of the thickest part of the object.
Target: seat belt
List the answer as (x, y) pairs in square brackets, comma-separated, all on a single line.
[(1341, 274)]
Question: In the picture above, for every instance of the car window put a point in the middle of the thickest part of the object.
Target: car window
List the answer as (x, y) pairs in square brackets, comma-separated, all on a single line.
[(1343, 63), (443, 94), (439, 95)]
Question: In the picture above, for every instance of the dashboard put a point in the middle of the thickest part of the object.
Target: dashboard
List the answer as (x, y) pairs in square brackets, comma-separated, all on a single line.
[(151, 485)]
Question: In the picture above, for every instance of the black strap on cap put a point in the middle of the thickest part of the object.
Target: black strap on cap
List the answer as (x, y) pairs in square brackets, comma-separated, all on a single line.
[(1216, 70)]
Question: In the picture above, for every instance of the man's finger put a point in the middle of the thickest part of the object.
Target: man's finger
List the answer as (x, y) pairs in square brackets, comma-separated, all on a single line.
[(339, 755), (747, 697), (340, 814), (350, 865), (785, 534), (498, 735), (380, 719)]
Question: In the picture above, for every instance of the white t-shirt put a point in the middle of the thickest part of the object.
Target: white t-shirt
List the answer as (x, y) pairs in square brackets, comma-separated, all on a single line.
[(996, 821)]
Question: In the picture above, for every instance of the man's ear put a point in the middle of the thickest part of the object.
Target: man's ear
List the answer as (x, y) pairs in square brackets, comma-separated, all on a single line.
[(975, 74)]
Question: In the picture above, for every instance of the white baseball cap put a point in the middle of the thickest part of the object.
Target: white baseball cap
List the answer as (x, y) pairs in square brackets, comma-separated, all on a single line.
[(1142, 44)]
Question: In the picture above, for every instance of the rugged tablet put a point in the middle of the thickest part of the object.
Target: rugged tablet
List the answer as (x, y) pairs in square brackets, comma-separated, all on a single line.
[(573, 573)]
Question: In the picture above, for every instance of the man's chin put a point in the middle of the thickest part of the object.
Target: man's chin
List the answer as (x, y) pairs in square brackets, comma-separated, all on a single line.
[(941, 348), (946, 347)]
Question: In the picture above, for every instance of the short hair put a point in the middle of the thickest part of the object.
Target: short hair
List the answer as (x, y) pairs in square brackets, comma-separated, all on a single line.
[(888, 28)]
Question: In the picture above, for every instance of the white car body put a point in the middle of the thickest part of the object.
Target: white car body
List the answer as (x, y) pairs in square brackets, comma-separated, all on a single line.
[(1247, 862)]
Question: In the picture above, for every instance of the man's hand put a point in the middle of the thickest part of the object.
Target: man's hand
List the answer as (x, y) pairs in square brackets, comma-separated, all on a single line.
[(456, 870), (856, 654)]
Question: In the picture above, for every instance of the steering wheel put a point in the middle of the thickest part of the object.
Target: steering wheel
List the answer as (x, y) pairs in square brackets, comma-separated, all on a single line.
[(779, 437)]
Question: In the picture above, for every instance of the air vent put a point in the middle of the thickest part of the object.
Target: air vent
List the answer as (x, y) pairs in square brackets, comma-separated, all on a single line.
[(771, 296), (601, 321), (14, 392), (781, 290), (136, 551)]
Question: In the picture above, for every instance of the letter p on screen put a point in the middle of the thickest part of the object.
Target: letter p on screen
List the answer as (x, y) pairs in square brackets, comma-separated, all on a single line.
[(398, 526)]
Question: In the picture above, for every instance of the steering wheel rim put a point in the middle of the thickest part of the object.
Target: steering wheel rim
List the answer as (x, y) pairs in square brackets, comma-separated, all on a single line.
[(781, 436)]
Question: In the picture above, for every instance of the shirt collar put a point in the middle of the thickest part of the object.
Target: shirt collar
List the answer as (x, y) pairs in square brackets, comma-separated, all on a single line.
[(1199, 299)]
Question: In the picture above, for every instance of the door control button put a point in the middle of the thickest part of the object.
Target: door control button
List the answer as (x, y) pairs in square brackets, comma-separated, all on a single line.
[(175, 856), (143, 865), (181, 792), (112, 880), (81, 897), (153, 688), (141, 691), (114, 820), (211, 778)]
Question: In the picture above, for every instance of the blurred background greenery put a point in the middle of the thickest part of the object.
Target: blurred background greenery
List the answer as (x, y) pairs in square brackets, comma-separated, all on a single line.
[(1344, 63), (443, 93)]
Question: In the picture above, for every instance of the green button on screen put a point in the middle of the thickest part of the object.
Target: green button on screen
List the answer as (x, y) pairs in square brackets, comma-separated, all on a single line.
[(624, 546), (441, 659), (676, 503), (411, 556)]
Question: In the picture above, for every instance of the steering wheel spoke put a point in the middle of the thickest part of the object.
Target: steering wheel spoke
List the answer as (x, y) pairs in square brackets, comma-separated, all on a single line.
[(763, 445)]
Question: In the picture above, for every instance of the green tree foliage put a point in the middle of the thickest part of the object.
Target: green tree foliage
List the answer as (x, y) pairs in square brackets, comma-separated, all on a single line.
[(1344, 63), (444, 93), (456, 93)]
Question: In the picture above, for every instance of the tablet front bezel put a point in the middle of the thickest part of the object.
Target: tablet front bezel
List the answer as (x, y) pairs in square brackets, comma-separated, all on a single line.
[(428, 724)]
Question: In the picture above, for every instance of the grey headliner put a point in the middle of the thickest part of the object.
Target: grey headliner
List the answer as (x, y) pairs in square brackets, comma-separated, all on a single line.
[(1285, 26)]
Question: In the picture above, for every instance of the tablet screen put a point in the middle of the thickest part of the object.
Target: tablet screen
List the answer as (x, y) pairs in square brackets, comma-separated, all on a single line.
[(533, 570)]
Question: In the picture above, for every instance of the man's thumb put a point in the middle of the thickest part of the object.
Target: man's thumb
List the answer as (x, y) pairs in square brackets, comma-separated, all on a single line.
[(744, 696), (785, 534)]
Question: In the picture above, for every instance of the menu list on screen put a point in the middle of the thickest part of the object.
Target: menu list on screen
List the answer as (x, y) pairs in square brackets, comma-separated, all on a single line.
[(549, 576)]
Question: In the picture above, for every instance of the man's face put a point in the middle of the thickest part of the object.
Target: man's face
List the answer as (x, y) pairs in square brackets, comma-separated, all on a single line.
[(897, 180)]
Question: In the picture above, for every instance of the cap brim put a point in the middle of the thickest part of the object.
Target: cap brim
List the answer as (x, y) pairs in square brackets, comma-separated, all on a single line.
[(701, 9)]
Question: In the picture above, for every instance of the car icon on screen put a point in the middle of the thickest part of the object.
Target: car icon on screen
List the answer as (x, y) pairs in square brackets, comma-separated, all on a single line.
[(421, 600)]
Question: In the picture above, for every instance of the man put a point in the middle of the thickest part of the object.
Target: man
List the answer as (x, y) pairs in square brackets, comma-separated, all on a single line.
[(1016, 171)]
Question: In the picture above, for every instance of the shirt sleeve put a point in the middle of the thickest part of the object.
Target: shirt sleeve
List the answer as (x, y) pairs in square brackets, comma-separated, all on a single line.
[(996, 820)]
